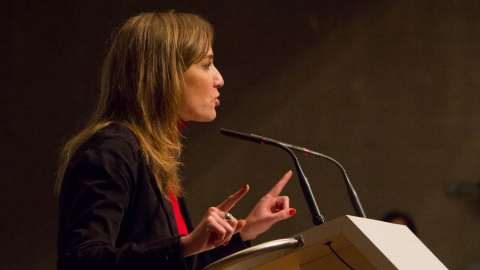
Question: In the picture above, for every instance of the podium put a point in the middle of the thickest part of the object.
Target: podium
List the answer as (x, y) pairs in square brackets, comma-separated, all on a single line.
[(361, 243)]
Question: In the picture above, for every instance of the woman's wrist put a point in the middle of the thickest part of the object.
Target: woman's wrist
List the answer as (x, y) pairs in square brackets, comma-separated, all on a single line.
[(186, 246), (246, 236)]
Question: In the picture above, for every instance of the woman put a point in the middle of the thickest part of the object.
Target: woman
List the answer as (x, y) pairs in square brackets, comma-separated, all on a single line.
[(120, 194)]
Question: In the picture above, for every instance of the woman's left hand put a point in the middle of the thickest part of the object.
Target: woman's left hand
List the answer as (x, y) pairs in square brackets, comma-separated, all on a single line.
[(216, 227), (269, 210)]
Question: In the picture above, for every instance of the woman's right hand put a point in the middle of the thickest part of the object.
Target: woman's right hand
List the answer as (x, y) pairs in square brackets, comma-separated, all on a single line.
[(214, 229)]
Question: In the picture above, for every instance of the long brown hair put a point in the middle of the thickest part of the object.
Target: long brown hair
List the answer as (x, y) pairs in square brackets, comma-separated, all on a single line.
[(142, 87)]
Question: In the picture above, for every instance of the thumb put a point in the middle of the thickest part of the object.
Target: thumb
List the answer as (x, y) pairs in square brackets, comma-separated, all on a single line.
[(240, 224)]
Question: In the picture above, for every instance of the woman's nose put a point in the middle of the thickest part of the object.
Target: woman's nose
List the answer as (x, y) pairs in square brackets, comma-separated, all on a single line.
[(218, 81)]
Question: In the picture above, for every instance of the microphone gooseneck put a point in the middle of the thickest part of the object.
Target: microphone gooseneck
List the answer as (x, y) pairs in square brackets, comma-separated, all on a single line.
[(317, 217), (352, 194), (351, 191)]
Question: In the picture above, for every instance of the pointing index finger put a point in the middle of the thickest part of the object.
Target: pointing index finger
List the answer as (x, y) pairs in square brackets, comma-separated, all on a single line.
[(275, 191), (230, 202)]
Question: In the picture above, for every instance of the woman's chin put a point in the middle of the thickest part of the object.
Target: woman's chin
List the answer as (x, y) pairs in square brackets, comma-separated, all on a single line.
[(204, 118)]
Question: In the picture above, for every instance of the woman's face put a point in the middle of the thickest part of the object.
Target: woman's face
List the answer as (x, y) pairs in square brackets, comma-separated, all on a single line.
[(202, 81)]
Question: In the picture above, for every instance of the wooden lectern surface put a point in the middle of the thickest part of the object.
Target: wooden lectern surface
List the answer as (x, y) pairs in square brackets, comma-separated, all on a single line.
[(362, 243)]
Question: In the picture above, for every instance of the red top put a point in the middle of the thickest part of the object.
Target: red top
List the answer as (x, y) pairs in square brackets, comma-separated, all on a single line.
[(182, 228), (181, 125)]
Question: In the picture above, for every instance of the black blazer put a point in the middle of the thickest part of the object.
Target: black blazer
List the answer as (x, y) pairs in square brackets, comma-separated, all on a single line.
[(112, 215)]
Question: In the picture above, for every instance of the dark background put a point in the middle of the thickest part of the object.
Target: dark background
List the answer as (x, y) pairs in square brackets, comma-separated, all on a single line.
[(388, 88)]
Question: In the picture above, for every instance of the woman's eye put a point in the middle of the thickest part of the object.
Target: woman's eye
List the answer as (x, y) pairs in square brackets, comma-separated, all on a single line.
[(208, 65)]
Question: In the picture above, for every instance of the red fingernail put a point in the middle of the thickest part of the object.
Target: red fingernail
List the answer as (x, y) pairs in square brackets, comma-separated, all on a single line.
[(292, 211), (225, 243), (245, 187)]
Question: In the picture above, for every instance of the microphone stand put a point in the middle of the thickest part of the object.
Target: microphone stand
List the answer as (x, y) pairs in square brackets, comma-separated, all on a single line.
[(316, 216), (352, 194)]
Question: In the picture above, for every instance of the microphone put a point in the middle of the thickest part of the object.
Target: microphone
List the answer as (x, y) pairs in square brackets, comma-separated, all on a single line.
[(317, 217)]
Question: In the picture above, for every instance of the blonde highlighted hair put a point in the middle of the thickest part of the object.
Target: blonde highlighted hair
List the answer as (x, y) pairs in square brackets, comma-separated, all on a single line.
[(142, 87)]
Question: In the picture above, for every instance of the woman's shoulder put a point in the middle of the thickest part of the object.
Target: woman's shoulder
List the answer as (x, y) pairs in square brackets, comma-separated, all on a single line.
[(112, 155), (114, 133), (114, 138)]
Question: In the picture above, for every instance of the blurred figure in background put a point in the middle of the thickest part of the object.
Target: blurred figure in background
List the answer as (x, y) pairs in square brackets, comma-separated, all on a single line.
[(402, 218)]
